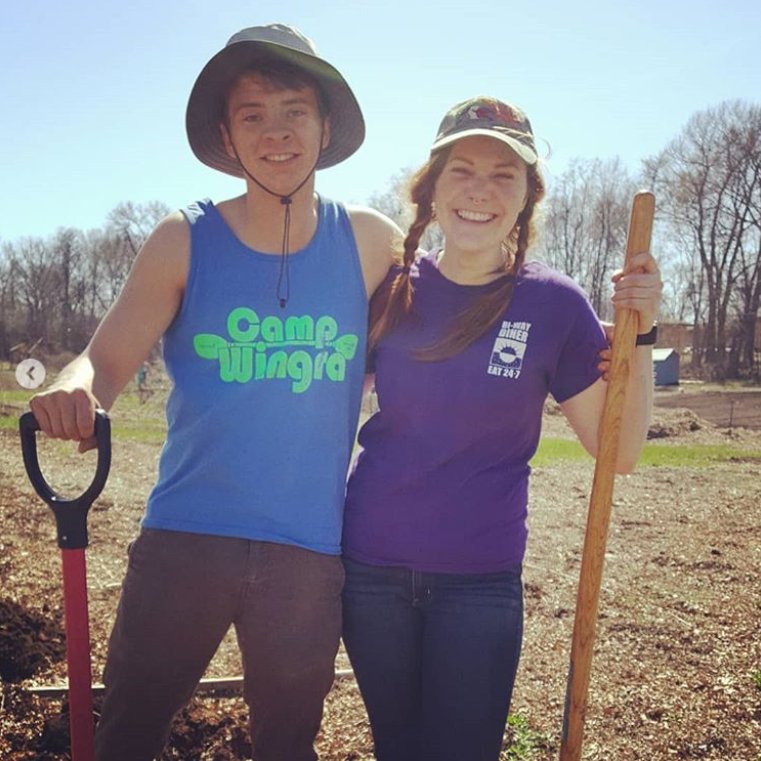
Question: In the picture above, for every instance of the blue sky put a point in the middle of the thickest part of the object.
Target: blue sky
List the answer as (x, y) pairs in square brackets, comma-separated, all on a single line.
[(94, 93)]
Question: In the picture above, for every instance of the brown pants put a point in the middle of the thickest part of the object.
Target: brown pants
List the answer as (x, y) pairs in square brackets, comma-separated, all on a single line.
[(180, 596)]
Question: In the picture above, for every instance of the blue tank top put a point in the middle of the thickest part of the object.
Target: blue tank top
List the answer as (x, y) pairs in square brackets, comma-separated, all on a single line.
[(265, 400)]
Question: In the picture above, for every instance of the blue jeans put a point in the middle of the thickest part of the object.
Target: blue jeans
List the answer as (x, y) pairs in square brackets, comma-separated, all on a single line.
[(435, 656)]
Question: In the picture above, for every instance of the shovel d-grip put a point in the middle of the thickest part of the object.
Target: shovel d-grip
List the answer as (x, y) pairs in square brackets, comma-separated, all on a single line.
[(71, 524), (70, 513)]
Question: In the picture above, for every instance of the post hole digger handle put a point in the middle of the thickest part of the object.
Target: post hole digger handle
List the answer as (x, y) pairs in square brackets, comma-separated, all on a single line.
[(600, 501), (70, 513)]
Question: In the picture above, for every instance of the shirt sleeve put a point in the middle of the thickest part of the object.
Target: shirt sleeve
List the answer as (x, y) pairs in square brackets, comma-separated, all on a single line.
[(579, 357)]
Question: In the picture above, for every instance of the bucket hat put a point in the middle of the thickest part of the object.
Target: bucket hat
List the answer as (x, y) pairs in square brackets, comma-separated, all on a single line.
[(274, 42), (492, 118)]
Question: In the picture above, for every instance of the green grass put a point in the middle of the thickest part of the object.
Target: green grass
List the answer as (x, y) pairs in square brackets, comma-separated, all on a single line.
[(130, 420), (10, 423), (654, 455), (524, 741), (133, 421), (139, 422), (676, 456), (13, 396), (13, 401), (551, 450)]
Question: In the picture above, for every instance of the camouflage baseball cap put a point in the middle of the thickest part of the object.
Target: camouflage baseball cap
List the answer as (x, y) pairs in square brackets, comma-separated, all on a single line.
[(492, 118)]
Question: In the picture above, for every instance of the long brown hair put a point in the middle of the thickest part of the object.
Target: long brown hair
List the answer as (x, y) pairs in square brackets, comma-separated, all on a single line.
[(393, 301)]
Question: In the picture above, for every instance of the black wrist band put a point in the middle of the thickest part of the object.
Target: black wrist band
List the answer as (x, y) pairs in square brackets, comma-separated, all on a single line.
[(649, 338)]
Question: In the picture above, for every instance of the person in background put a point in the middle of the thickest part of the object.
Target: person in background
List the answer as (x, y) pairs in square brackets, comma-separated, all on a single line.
[(262, 303), (143, 390), (467, 343)]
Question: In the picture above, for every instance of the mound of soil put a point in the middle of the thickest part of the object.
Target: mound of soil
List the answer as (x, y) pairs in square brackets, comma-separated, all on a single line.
[(30, 641), (676, 423)]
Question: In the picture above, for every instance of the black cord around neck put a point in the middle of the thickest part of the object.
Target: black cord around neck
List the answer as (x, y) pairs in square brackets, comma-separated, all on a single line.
[(284, 276), (285, 272)]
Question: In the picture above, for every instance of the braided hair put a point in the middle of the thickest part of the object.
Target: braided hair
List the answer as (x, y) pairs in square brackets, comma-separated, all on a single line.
[(393, 301)]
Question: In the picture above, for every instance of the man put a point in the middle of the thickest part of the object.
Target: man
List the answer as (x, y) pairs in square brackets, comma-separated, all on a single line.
[(261, 301)]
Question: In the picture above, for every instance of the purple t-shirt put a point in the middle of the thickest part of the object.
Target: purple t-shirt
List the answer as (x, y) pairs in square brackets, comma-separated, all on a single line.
[(441, 481)]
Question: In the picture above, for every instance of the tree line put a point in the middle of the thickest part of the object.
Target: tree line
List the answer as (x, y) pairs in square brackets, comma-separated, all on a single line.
[(53, 292), (707, 183)]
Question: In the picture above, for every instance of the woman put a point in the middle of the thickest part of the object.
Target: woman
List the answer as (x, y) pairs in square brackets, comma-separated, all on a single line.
[(467, 343)]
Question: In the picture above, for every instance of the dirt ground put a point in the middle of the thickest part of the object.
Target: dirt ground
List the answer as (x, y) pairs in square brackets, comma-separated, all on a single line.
[(677, 665)]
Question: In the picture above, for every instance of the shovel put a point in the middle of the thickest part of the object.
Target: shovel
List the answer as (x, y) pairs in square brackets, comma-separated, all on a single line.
[(71, 524)]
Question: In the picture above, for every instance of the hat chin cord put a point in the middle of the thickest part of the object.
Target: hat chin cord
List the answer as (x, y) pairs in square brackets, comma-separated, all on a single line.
[(283, 279)]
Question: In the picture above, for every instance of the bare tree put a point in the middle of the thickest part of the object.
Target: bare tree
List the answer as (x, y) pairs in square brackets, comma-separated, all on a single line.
[(707, 180), (133, 222), (586, 220), (56, 290), (68, 252), (114, 250), (36, 281), (748, 292), (7, 302)]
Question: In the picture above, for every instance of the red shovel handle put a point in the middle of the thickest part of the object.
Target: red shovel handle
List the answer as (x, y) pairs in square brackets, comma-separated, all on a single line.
[(77, 619)]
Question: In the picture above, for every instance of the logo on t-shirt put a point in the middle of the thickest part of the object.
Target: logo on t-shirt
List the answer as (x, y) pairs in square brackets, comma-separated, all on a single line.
[(302, 349), (506, 359)]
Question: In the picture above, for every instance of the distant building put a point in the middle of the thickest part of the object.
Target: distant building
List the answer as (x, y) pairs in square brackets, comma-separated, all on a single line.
[(666, 364)]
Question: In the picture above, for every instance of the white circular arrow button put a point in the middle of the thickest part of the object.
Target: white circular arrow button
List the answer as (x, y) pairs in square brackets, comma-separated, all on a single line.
[(30, 373)]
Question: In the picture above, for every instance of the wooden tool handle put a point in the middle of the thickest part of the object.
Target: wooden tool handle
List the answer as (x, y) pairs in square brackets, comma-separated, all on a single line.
[(598, 518)]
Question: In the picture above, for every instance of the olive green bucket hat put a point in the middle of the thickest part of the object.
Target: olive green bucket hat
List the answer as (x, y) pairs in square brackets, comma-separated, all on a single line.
[(275, 42)]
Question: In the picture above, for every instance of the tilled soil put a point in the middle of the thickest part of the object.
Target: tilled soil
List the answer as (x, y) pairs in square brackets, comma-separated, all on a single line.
[(677, 665)]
